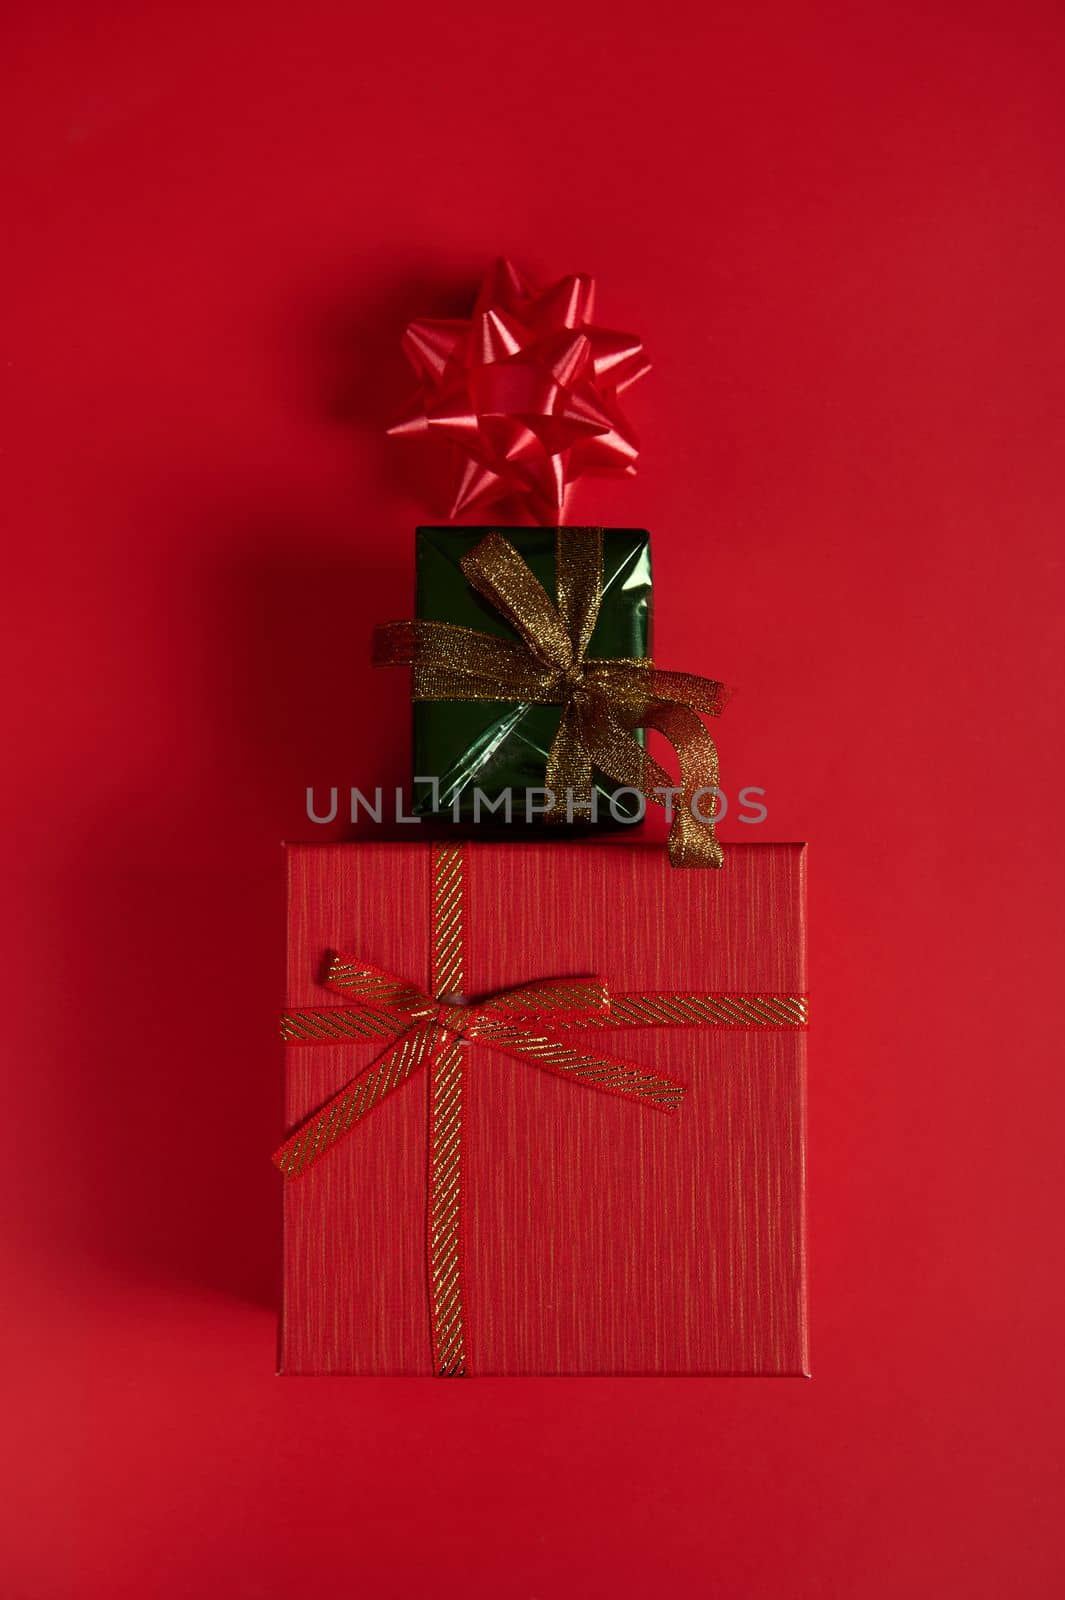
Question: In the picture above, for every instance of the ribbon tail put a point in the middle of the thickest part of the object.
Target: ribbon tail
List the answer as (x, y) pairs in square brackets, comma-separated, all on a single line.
[(692, 842), (609, 1074), (569, 768), (363, 1094)]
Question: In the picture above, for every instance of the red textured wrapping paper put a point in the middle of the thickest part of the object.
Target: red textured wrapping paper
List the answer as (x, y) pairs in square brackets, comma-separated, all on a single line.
[(602, 1237)]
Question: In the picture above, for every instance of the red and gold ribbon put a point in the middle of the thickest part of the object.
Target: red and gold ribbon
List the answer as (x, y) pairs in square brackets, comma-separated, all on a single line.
[(603, 701), (433, 1030)]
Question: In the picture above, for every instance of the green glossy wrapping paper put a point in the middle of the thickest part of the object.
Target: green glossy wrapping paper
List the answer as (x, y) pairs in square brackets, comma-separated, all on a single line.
[(493, 747)]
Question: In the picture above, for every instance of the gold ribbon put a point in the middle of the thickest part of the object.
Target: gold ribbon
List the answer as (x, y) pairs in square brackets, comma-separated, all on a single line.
[(603, 700)]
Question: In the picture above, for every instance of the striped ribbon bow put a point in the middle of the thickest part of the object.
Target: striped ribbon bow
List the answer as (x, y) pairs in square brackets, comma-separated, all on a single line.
[(520, 1022)]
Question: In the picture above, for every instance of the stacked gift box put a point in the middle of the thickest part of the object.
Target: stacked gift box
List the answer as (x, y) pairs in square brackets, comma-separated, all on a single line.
[(545, 1087)]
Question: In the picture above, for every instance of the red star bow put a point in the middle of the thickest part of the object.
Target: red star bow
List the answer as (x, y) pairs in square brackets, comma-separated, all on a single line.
[(526, 391)]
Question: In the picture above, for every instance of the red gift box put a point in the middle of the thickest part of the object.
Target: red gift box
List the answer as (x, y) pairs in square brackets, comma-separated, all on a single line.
[(633, 1232)]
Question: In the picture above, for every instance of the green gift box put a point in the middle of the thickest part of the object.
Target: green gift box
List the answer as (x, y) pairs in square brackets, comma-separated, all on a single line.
[(490, 748)]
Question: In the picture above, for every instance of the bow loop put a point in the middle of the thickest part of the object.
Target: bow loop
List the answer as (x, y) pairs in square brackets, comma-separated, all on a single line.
[(562, 1002), (496, 570), (370, 989)]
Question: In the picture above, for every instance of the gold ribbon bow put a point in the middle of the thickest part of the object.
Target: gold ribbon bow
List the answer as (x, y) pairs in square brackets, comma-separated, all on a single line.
[(426, 1030), (603, 700), (430, 1031)]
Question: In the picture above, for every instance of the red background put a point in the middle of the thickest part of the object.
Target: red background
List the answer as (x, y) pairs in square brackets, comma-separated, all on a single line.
[(840, 231)]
